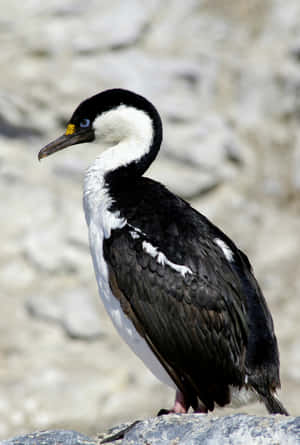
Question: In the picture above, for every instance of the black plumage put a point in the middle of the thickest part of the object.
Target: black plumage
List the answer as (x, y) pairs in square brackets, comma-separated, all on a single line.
[(186, 287), (212, 327)]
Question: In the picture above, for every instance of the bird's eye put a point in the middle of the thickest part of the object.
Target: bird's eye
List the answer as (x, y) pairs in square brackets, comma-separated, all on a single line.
[(84, 123)]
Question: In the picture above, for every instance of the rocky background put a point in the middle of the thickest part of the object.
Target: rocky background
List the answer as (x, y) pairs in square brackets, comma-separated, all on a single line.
[(226, 79)]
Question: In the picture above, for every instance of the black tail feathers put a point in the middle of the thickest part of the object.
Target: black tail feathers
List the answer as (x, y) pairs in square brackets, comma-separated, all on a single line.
[(273, 404)]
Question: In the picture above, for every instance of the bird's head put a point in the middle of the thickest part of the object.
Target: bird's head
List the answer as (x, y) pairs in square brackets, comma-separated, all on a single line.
[(111, 116)]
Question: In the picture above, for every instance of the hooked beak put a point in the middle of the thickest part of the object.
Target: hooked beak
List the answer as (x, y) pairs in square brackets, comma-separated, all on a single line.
[(66, 140)]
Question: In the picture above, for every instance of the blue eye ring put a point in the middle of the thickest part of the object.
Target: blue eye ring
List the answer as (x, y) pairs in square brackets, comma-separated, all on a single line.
[(84, 123)]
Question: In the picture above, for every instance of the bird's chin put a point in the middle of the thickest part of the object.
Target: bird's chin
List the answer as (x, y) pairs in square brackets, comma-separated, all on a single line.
[(66, 140)]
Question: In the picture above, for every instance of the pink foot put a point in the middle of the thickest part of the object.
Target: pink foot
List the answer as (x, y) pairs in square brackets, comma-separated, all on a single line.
[(181, 406)]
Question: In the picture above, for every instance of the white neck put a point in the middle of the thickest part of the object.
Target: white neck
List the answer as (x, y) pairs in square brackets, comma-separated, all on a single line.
[(128, 134)]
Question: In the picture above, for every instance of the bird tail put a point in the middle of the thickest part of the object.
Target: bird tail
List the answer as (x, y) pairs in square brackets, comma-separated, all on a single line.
[(273, 404), (267, 391)]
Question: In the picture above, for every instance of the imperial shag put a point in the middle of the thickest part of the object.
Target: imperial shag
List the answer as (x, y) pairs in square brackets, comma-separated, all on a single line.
[(178, 290)]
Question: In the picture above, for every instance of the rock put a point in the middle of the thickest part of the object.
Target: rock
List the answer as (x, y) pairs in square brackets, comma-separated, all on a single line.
[(12, 269), (44, 248), (75, 311), (296, 166), (12, 118), (210, 145), (52, 249), (14, 131), (51, 438), (72, 168), (183, 180), (190, 429)]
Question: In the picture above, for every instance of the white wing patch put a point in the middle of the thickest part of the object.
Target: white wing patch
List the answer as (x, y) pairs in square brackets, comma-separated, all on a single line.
[(163, 260), (155, 253), (225, 248), (135, 232)]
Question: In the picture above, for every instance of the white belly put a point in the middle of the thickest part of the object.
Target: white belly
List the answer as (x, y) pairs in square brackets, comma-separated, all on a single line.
[(121, 322), (137, 343)]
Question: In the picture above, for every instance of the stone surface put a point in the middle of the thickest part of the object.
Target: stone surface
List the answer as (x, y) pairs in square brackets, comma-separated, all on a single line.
[(51, 438), (225, 77), (192, 429), (237, 429), (76, 311)]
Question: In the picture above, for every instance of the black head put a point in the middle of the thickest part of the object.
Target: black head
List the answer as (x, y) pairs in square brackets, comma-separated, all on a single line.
[(80, 127)]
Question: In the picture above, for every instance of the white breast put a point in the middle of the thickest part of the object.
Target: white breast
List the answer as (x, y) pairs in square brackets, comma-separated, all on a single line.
[(100, 223), (121, 322), (129, 133)]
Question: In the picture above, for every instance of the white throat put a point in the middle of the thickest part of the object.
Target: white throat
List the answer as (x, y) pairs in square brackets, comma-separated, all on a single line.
[(127, 133)]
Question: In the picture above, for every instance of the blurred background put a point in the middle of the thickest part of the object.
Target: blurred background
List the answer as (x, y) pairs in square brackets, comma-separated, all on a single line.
[(226, 78)]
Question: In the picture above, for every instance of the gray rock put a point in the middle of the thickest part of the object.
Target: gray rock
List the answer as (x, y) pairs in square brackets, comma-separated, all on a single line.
[(53, 437), (192, 429), (71, 168), (204, 143), (296, 166), (45, 248), (52, 249), (209, 146), (182, 179), (13, 120), (74, 310)]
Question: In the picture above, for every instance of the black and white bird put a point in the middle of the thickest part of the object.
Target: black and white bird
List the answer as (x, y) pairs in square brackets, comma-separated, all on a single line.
[(178, 290)]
